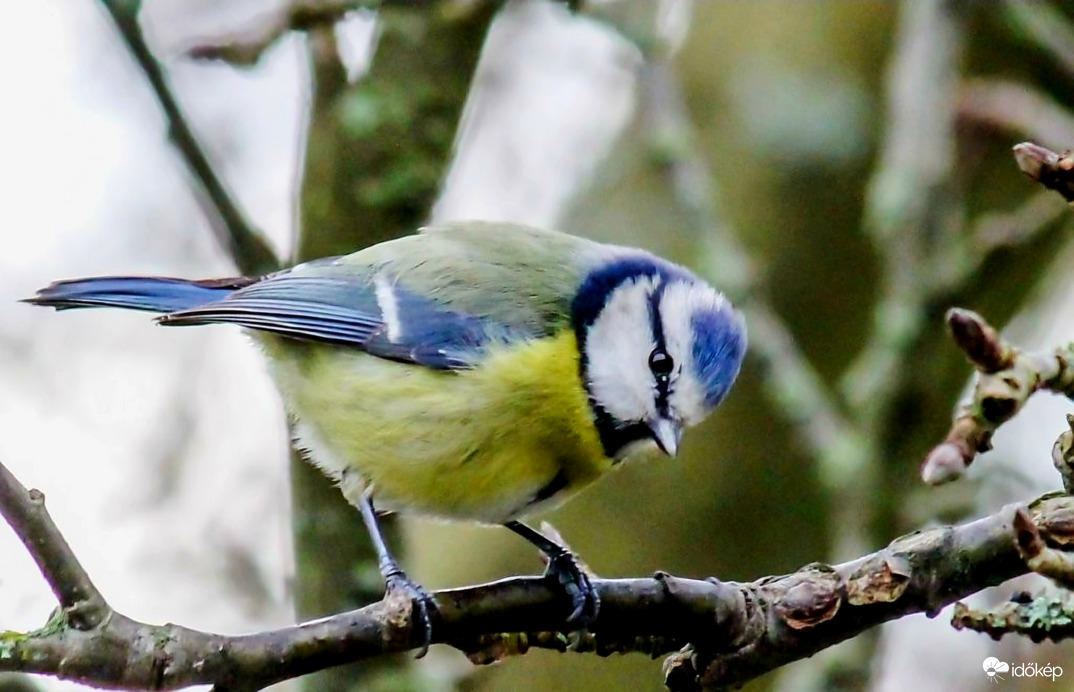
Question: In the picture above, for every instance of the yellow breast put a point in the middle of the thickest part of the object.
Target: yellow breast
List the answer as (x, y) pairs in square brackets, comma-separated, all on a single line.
[(486, 444)]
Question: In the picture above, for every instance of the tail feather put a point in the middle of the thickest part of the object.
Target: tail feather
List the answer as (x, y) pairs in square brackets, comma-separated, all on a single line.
[(154, 294)]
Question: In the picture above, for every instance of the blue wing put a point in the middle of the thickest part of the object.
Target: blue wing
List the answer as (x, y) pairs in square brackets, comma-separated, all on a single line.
[(377, 316)]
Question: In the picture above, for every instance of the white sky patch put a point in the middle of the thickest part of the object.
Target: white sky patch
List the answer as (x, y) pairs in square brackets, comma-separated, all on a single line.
[(389, 308)]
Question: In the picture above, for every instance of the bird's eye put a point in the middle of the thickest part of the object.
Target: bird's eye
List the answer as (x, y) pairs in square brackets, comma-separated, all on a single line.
[(661, 363)]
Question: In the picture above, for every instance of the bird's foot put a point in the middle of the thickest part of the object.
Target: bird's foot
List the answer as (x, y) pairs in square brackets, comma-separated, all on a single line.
[(563, 567), (402, 589)]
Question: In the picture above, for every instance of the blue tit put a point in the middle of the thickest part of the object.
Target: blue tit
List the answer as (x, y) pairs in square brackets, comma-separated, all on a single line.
[(478, 371)]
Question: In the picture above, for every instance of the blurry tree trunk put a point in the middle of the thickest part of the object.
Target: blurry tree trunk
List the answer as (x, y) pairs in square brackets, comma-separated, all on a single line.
[(375, 155)]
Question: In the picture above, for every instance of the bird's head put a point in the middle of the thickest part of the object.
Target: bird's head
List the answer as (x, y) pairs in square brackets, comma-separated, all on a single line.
[(659, 350)]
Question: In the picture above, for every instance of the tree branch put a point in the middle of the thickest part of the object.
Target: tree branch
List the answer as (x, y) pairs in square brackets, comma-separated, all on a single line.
[(1049, 616), (1016, 107), (246, 245), (819, 606), (1053, 171), (1043, 24), (1006, 377), (245, 49), (25, 511), (735, 631)]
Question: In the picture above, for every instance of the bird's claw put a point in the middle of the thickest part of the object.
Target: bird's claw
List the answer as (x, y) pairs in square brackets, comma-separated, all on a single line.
[(402, 587), (569, 575)]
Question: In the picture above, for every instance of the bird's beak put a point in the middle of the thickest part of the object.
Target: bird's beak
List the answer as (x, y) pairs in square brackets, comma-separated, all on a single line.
[(666, 434)]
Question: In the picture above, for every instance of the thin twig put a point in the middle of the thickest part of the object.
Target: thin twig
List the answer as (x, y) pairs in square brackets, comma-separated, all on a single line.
[(1043, 24), (25, 511), (1063, 455), (1054, 563), (245, 49), (1047, 617), (246, 245), (1016, 107), (1053, 171), (1006, 377), (998, 230), (995, 231)]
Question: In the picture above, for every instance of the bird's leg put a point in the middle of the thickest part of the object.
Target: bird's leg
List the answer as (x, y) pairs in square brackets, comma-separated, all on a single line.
[(395, 579), (563, 567)]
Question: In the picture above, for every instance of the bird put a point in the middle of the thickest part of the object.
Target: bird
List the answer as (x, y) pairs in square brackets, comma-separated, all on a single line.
[(479, 371)]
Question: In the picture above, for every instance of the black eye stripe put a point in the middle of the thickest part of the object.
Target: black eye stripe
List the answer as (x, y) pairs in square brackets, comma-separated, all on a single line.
[(656, 325), (660, 363)]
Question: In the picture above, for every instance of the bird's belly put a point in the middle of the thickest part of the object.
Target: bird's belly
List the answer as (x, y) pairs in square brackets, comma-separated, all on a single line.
[(487, 444), (481, 473)]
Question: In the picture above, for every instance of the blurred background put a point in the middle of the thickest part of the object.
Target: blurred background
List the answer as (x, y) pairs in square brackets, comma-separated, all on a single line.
[(841, 169)]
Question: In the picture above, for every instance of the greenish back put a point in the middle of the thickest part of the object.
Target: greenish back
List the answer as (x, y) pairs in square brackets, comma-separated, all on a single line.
[(521, 277)]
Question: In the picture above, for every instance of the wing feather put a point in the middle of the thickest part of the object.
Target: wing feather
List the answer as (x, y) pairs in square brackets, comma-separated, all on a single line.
[(347, 311), (439, 298)]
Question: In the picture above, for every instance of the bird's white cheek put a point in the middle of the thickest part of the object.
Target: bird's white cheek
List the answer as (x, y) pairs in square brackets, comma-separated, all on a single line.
[(617, 348), (626, 397), (688, 400)]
